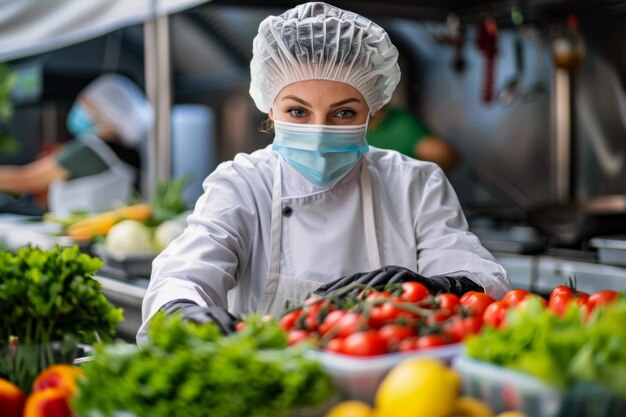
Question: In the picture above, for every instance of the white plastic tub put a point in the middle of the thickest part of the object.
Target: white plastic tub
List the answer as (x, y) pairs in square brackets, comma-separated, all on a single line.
[(358, 378), (506, 389)]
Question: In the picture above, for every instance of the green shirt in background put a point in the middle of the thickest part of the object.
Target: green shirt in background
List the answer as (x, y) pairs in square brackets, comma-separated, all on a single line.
[(398, 130), (80, 160)]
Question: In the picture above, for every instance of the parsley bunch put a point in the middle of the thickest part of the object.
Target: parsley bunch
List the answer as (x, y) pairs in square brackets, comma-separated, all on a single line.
[(47, 297), (193, 370)]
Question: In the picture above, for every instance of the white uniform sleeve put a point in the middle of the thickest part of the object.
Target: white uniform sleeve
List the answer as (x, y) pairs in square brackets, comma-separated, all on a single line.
[(201, 264), (444, 243)]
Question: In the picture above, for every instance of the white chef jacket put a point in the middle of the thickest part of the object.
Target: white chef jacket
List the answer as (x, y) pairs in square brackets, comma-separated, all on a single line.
[(222, 258)]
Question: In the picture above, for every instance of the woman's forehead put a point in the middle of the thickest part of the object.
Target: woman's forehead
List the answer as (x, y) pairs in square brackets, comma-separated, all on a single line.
[(319, 92)]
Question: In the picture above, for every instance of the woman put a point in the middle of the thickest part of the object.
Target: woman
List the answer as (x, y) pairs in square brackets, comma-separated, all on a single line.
[(287, 220), (99, 167)]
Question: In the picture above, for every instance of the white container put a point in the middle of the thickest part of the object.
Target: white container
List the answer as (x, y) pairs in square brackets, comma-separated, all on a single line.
[(506, 389), (194, 148), (358, 378)]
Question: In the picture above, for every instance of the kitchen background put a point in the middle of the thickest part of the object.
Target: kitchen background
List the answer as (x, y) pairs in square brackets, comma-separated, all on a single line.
[(543, 172)]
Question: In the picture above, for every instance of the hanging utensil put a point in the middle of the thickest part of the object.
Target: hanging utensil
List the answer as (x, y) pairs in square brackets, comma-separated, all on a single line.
[(487, 44), (512, 87), (568, 51), (453, 34), (568, 47)]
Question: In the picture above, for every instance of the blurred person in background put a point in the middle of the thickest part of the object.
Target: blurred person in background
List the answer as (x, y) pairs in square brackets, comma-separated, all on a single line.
[(318, 209), (398, 129), (99, 167)]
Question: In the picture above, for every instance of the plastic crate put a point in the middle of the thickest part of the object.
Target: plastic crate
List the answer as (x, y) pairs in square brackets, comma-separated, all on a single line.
[(505, 389), (358, 378), (124, 264)]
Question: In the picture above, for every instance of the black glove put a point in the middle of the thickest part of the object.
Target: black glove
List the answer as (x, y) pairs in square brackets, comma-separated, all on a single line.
[(191, 311), (392, 274)]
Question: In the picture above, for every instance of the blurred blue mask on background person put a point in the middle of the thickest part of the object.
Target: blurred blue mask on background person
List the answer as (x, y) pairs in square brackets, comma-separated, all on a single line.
[(321, 153), (79, 122)]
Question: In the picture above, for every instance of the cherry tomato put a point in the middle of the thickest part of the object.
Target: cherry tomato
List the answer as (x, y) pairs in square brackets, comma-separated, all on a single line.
[(558, 304), (240, 326), (377, 317), (375, 295), (561, 290), (430, 341), (495, 314), (466, 296), (393, 333), (330, 321), (385, 313), (289, 320), (408, 344), (297, 336), (367, 343), (459, 328), (447, 301), (514, 297), (348, 324), (602, 298), (477, 303), (414, 292), (438, 316), (313, 312), (335, 345)]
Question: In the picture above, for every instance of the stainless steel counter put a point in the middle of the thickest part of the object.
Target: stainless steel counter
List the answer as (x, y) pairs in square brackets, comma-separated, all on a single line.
[(541, 273), (129, 296)]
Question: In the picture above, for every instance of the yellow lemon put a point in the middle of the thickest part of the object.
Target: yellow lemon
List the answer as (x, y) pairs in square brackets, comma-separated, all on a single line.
[(350, 409), (512, 414), (418, 388), (471, 407)]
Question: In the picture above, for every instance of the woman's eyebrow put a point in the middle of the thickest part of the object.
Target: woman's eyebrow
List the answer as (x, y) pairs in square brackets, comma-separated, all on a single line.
[(346, 101), (299, 100)]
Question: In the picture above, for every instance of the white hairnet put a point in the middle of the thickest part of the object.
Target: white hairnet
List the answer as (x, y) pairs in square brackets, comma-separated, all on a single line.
[(319, 41), (122, 104)]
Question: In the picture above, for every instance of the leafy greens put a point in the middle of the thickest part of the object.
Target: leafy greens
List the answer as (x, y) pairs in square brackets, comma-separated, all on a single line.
[(192, 370)]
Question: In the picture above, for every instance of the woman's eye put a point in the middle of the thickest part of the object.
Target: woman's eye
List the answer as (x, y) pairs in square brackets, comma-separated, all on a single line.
[(345, 114), (296, 113)]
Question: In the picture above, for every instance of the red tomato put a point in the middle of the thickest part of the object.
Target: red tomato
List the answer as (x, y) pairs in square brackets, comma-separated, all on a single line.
[(240, 326), (348, 324), (393, 333), (466, 296), (430, 341), (297, 336), (377, 317), (561, 290), (438, 316), (408, 344), (335, 345), (414, 292), (558, 304), (289, 320), (602, 298), (331, 321), (477, 303), (514, 297), (459, 328), (367, 343), (447, 301), (313, 312), (375, 295), (386, 313), (495, 314)]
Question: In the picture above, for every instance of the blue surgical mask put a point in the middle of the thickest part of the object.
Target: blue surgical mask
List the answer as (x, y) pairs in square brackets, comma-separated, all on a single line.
[(321, 153), (78, 121)]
